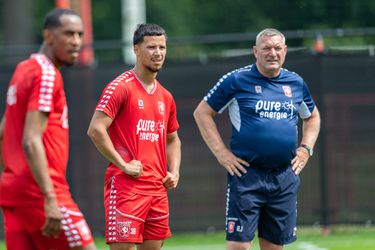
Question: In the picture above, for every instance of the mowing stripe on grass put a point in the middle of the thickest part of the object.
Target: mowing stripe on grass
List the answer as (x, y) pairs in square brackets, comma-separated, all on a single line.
[(309, 246)]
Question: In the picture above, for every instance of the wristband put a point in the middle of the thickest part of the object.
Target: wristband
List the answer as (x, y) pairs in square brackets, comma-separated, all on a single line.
[(309, 150)]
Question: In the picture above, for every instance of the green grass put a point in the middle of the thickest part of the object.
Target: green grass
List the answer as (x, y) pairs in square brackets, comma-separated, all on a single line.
[(309, 238)]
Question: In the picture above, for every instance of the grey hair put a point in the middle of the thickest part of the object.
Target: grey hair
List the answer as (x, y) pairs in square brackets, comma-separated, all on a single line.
[(269, 32)]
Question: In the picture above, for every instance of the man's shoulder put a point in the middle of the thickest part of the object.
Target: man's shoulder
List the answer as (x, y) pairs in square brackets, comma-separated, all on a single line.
[(124, 80), (290, 75), (29, 64), (124, 77), (238, 74), (248, 69)]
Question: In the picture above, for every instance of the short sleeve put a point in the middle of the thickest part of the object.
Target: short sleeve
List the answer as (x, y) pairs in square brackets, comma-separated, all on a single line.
[(42, 87), (222, 93), (112, 98), (172, 121), (308, 104)]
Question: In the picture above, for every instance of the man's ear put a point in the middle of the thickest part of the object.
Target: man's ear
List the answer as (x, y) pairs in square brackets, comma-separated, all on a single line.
[(136, 49), (47, 36), (255, 51)]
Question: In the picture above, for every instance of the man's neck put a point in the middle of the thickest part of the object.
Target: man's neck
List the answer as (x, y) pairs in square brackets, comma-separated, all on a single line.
[(146, 78), (44, 50)]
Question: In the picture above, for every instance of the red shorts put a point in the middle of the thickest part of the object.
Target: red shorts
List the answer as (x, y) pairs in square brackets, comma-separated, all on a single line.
[(23, 225), (133, 218)]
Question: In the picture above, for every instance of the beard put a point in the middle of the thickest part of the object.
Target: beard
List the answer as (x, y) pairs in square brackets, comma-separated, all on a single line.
[(153, 69)]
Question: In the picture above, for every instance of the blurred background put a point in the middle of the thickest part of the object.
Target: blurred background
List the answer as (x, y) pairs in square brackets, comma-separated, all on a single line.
[(331, 43)]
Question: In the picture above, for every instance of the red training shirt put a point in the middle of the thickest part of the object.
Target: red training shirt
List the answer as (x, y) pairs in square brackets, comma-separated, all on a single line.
[(140, 124), (36, 85)]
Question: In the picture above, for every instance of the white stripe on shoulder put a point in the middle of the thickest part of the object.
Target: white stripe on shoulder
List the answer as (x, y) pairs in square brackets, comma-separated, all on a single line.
[(47, 83), (111, 87), (212, 90)]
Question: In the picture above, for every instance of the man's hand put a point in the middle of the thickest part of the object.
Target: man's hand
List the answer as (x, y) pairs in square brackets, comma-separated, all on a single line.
[(134, 168), (232, 163), (299, 162), (171, 180), (52, 225)]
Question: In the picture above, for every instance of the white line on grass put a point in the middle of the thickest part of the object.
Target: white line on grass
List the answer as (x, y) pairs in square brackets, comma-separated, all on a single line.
[(309, 246)]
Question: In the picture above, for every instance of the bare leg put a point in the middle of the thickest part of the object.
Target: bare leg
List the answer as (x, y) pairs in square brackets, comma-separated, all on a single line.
[(90, 246), (235, 245), (266, 245), (150, 245), (122, 246)]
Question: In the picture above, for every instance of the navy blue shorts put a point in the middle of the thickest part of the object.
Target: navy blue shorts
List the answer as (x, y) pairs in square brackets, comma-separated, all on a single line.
[(263, 199)]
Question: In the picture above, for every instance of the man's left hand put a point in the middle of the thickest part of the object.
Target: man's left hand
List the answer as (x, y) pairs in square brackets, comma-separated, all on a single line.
[(171, 180), (300, 161)]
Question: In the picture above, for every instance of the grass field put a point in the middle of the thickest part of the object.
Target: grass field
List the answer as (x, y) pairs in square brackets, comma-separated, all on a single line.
[(341, 238)]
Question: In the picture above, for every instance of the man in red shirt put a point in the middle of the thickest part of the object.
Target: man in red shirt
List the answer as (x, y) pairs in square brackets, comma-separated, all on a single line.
[(135, 128), (39, 212)]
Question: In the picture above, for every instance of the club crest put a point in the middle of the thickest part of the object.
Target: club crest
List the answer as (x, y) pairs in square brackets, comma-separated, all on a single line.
[(258, 89), (287, 91), (231, 225), (161, 107)]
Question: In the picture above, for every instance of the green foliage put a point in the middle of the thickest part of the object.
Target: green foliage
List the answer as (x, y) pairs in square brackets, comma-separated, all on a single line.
[(184, 18), (106, 18), (195, 17), (41, 9)]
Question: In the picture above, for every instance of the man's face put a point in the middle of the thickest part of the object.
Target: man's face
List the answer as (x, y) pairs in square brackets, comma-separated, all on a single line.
[(66, 40), (151, 52), (270, 54)]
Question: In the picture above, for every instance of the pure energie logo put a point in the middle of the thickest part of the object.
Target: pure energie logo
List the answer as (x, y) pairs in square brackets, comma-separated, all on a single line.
[(275, 109), (149, 130)]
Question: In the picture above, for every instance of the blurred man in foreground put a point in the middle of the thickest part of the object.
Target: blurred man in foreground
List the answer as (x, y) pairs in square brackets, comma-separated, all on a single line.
[(39, 212)]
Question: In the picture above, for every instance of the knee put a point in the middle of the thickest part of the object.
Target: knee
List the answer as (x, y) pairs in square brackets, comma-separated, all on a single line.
[(266, 245), (234, 245), (91, 246), (122, 246)]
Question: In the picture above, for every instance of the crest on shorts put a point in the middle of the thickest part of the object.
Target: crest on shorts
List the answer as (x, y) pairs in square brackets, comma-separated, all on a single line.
[(287, 91), (161, 107), (231, 225), (123, 229)]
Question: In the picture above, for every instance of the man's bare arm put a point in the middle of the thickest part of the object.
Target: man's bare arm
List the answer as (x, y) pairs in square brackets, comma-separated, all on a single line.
[(174, 160), (32, 143), (98, 132), (204, 117)]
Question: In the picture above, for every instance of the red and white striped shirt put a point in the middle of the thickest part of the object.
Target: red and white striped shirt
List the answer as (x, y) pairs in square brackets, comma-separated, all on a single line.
[(141, 121), (36, 85)]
